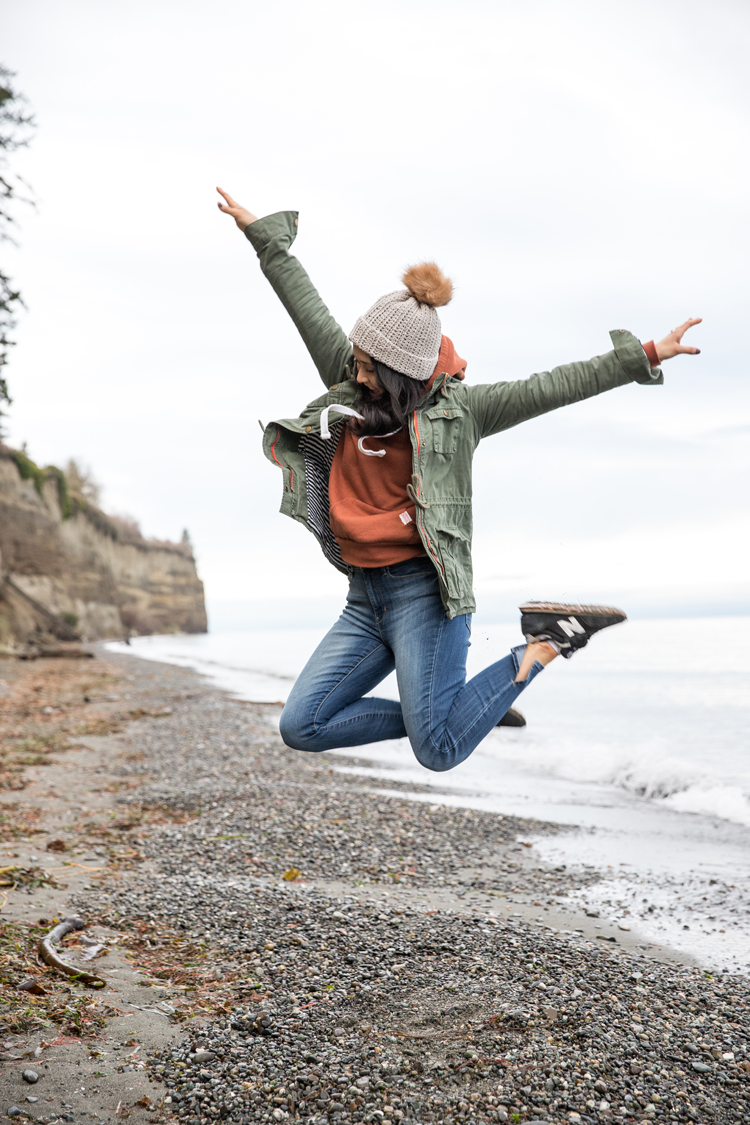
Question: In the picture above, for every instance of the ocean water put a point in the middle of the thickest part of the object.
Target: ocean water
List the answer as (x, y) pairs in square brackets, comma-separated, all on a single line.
[(641, 743)]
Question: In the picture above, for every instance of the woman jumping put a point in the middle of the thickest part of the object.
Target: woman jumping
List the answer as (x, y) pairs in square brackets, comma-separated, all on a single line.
[(379, 469)]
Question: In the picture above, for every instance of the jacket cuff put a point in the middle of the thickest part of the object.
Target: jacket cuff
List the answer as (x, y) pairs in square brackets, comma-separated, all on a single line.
[(633, 358), (282, 224), (651, 353)]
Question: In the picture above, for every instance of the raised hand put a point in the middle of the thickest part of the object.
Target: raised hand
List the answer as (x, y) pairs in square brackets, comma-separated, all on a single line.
[(670, 346), (242, 217)]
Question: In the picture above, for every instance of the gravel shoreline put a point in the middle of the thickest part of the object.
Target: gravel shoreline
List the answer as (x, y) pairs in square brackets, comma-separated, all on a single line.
[(345, 1011), (298, 999)]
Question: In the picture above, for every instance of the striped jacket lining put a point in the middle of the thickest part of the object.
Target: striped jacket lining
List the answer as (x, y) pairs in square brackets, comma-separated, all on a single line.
[(319, 456)]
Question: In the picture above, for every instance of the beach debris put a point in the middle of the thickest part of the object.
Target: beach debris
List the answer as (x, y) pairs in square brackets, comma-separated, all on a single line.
[(292, 874), (56, 846), (50, 955), (70, 651), (149, 712), (160, 1010), (67, 651), (17, 876), (91, 951), (29, 984)]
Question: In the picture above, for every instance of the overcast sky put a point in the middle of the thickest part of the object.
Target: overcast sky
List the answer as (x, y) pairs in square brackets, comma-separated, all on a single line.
[(574, 167)]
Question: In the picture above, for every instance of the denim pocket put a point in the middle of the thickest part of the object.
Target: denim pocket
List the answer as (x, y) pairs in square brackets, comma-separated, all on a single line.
[(413, 568)]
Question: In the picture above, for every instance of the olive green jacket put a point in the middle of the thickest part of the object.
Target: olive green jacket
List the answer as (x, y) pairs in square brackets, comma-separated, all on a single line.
[(445, 429)]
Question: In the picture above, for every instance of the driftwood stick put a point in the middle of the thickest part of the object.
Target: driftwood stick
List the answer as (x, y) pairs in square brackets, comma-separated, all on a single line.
[(49, 953)]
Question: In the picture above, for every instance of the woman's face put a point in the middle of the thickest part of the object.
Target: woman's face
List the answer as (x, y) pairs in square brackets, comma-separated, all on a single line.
[(366, 374)]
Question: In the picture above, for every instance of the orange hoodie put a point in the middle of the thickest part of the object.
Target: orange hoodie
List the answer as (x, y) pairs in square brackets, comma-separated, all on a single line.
[(371, 514)]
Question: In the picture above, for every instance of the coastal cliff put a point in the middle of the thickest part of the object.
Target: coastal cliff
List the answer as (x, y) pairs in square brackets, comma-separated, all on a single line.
[(70, 572)]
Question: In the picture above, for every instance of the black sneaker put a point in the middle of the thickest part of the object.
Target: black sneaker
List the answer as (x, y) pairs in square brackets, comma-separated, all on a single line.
[(569, 626), (512, 718)]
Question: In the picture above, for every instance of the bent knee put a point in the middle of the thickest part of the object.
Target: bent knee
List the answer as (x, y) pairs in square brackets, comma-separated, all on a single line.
[(298, 733), (435, 759)]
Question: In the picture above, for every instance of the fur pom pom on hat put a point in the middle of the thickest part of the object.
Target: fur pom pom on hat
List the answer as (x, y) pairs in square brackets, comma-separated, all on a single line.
[(403, 329), (428, 284)]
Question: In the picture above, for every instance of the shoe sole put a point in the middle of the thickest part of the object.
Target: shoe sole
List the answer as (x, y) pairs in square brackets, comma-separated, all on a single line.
[(566, 610), (512, 718)]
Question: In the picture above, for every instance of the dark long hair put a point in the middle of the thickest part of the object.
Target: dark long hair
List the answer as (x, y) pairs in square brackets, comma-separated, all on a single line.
[(389, 411)]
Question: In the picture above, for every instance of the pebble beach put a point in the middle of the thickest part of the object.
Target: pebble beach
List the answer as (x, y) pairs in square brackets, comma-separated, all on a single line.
[(304, 943)]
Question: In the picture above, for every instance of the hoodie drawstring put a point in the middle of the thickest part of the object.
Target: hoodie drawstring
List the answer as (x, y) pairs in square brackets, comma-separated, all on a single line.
[(376, 452), (325, 433)]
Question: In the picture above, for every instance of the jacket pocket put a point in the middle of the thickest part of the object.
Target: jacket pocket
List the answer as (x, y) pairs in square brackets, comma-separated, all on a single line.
[(454, 545), (445, 422)]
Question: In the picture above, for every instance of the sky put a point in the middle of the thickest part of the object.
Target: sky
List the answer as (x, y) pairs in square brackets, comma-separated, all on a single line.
[(573, 167)]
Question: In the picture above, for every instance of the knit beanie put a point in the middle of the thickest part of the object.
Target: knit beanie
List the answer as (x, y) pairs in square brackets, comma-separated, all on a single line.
[(402, 329)]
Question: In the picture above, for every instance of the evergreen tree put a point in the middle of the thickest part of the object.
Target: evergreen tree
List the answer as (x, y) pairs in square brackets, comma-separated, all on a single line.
[(15, 132)]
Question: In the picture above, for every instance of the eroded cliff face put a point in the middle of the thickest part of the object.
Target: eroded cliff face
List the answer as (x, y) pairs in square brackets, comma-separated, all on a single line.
[(83, 576)]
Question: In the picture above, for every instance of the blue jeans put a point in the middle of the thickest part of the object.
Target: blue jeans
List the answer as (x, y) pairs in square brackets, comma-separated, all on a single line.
[(394, 618)]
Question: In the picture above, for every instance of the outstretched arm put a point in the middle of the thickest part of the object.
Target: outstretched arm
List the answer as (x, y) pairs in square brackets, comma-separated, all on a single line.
[(498, 406), (272, 236)]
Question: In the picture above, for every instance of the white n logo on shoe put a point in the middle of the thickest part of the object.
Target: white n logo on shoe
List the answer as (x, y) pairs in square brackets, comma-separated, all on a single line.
[(571, 627)]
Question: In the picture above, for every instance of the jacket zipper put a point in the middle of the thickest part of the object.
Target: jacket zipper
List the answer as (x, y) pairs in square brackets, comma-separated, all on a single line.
[(273, 447), (273, 454), (419, 508)]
